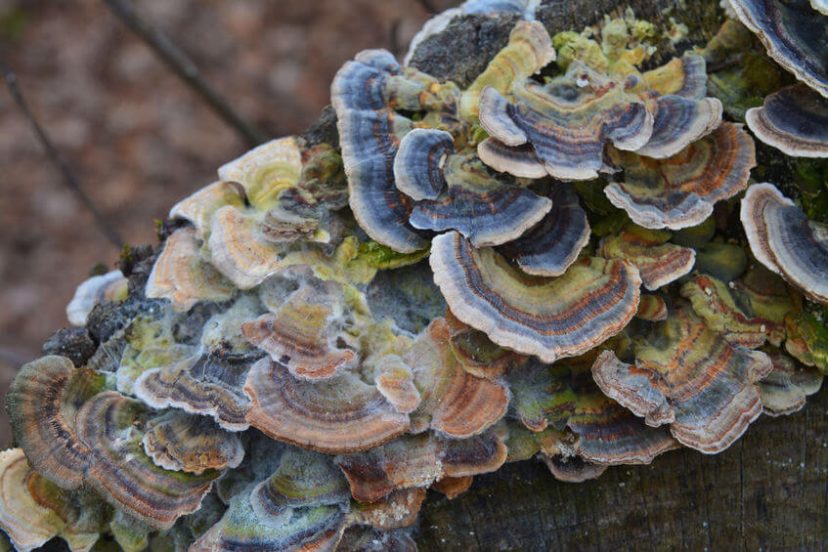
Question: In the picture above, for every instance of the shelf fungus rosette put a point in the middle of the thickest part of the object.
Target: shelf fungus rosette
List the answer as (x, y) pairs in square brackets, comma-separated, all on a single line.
[(680, 191), (690, 378), (287, 371), (123, 474), (783, 239), (794, 34), (567, 122), (453, 402), (550, 318), (577, 429), (301, 333), (793, 120)]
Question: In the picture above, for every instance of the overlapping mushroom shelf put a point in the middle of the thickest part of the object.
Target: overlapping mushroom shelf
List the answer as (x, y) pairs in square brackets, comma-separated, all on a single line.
[(544, 264)]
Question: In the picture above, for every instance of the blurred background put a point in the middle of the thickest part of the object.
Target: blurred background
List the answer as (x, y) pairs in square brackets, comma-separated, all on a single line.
[(137, 138)]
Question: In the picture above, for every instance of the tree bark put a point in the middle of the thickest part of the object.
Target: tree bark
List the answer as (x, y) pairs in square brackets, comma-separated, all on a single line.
[(769, 491)]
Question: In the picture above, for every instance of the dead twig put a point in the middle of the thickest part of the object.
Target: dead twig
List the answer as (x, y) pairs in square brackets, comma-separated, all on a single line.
[(182, 66), (54, 156), (428, 6)]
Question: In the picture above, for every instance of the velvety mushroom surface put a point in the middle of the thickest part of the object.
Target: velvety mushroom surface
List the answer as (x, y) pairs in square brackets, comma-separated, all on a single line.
[(544, 262)]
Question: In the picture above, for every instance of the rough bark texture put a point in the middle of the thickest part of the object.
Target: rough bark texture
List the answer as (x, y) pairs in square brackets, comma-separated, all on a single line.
[(769, 491)]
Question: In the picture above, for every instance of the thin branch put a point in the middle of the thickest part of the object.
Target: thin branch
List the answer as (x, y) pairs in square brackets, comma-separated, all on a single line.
[(428, 6), (57, 160), (182, 66)]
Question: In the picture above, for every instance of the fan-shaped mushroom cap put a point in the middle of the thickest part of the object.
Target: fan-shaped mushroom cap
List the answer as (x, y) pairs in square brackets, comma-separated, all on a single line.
[(785, 389), (541, 395), (691, 378), (487, 209), (180, 275), (303, 478), (301, 336), (266, 170), (179, 441), (652, 308), (743, 312), (680, 121), (125, 476), (552, 245), (198, 208), (243, 528), (29, 523), (529, 50), (369, 134), (43, 402), (340, 414), (205, 385), (550, 318), (807, 340), (240, 251), (783, 239), (519, 161), (794, 35), (478, 355), (418, 166), (685, 76), (452, 487), (395, 381), (680, 191), (569, 120), (111, 286), (659, 262), (610, 435), (794, 120), (418, 461), (453, 402), (572, 469)]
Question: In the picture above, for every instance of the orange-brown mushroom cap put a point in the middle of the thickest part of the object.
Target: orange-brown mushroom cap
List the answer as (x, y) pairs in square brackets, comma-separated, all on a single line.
[(337, 415), (182, 276)]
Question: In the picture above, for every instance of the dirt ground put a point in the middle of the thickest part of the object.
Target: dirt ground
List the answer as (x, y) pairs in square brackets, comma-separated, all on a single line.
[(136, 137)]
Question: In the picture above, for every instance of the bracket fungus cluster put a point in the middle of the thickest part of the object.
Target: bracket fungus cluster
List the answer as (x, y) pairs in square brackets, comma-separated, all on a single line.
[(544, 263)]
